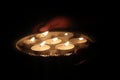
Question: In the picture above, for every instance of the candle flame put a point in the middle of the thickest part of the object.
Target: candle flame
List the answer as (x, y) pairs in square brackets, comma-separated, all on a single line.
[(66, 34), (45, 33), (67, 43), (81, 38), (55, 39), (32, 39), (43, 43)]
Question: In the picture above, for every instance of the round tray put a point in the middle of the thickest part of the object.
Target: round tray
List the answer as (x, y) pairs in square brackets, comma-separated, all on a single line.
[(24, 46)]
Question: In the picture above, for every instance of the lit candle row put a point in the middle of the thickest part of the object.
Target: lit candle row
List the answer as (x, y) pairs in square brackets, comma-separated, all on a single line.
[(45, 35), (56, 40), (42, 46), (45, 45), (44, 49)]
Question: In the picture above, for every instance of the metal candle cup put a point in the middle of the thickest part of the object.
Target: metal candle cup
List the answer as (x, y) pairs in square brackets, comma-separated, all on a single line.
[(65, 48), (41, 49)]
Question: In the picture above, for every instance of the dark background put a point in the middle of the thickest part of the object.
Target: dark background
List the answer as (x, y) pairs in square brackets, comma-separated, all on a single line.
[(21, 21)]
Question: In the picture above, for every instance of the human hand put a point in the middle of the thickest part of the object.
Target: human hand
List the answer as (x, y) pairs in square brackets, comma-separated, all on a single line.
[(59, 22)]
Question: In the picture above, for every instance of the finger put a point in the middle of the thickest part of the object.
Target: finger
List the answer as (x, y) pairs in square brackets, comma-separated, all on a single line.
[(45, 28)]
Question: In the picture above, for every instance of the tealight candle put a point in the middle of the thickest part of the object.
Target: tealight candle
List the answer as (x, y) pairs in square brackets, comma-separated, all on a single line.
[(80, 40), (41, 48), (43, 36), (68, 34), (79, 43), (30, 41), (65, 36), (53, 41), (65, 48)]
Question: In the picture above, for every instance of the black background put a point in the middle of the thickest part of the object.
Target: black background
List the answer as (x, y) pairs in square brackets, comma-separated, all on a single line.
[(21, 21)]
